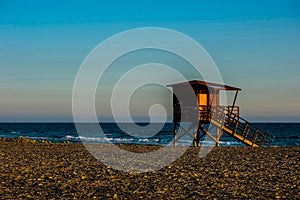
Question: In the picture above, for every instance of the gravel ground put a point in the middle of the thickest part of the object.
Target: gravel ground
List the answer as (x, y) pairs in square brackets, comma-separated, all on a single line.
[(34, 170)]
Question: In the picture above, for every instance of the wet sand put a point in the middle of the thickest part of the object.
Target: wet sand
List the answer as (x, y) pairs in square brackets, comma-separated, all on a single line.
[(35, 170)]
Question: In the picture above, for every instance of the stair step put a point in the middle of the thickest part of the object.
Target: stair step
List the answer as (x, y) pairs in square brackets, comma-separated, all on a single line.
[(234, 134), (239, 128)]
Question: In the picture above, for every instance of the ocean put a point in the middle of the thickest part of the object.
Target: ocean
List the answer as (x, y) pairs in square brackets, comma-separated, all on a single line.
[(286, 134)]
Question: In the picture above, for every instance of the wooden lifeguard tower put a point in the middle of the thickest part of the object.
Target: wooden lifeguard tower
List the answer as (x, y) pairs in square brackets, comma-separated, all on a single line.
[(203, 108)]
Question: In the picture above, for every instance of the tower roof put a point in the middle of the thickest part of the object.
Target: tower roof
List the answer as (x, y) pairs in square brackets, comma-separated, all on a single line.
[(204, 84)]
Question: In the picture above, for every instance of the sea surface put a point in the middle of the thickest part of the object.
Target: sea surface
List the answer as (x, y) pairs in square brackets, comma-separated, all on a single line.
[(286, 134)]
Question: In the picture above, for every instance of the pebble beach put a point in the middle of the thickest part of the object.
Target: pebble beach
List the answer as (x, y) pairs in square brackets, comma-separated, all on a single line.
[(36, 170)]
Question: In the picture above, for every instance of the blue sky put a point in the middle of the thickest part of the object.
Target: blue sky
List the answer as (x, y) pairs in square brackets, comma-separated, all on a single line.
[(255, 45)]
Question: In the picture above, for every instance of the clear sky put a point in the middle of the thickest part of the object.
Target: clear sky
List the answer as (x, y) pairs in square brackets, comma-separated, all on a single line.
[(255, 44)]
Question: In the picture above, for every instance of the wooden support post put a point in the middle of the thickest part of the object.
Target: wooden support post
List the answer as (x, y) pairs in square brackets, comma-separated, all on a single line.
[(220, 135), (209, 134), (254, 137), (245, 130), (236, 124), (233, 104), (246, 133), (217, 136), (175, 133), (195, 136), (198, 135), (185, 131)]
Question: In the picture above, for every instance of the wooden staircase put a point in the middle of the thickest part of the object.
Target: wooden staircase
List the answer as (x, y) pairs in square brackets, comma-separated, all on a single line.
[(230, 122)]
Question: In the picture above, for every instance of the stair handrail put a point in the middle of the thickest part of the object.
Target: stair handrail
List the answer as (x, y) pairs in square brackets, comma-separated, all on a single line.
[(236, 117), (253, 127)]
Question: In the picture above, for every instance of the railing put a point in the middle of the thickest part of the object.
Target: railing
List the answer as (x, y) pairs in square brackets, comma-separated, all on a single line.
[(225, 110), (239, 125), (202, 113)]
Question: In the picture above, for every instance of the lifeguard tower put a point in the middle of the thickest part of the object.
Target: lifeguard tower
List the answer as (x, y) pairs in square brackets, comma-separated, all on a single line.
[(204, 109)]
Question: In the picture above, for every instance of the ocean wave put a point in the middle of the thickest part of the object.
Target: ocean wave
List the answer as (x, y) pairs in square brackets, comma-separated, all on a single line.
[(120, 140), (15, 132), (67, 133)]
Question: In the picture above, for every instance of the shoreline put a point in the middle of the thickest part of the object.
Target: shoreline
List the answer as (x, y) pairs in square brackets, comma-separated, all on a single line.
[(67, 170)]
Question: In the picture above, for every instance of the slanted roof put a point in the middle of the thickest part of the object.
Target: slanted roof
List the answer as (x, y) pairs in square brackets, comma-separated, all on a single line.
[(200, 84)]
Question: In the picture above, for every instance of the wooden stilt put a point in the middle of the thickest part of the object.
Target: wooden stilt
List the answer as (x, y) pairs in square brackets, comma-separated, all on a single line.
[(220, 135), (175, 133), (185, 131), (217, 137), (209, 134), (198, 134), (195, 136)]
